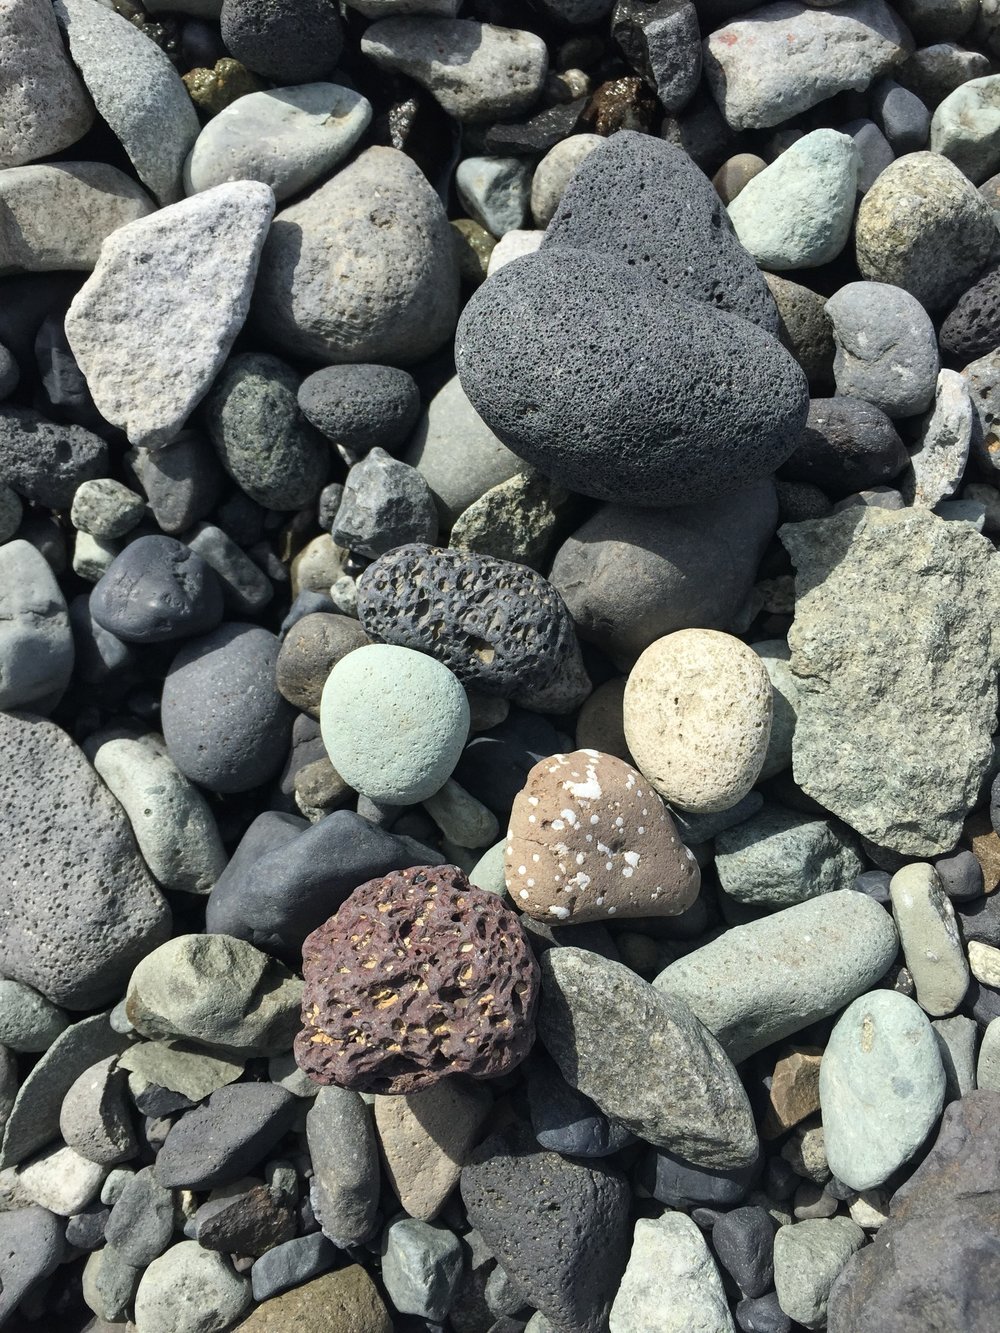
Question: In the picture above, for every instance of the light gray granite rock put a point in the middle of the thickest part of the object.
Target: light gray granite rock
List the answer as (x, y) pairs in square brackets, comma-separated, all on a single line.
[(43, 105)]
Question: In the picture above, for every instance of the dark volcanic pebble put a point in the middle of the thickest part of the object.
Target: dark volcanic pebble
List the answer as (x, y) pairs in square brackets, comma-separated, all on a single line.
[(157, 589), (31, 1248), (743, 1240), (690, 402), (564, 1120), (289, 41), (679, 1184), (359, 408), (847, 445), (46, 462), (435, 1007), (495, 764), (182, 481), (227, 1136), (972, 327)]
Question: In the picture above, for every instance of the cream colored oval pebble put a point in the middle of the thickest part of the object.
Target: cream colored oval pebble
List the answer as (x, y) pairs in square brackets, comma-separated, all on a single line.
[(984, 963), (697, 711)]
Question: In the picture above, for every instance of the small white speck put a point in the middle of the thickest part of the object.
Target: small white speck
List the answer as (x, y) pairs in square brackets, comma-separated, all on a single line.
[(612, 911), (619, 822), (580, 858), (609, 865), (531, 819), (558, 825), (631, 858), (627, 872), (524, 893), (594, 819), (592, 754), (532, 800), (590, 837), (645, 811), (534, 856), (522, 870), (530, 883), (642, 828), (561, 912), (599, 901)]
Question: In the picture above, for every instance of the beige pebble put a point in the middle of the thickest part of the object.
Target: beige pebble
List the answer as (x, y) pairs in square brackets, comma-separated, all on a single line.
[(697, 710), (984, 963)]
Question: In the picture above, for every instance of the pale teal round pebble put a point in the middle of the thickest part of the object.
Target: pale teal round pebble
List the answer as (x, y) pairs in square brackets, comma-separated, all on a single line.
[(394, 723)]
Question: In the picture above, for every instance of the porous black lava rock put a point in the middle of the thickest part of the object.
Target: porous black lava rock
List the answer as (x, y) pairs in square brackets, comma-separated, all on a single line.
[(224, 722), (972, 326), (289, 41), (642, 200), (287, 876), (847, 445), (361, 407), (743, 1241), (157, 589), (225, 1137), (44, 461), (690, 402), (500, 627), (559, 1227), (933, 1264), (494, 764)]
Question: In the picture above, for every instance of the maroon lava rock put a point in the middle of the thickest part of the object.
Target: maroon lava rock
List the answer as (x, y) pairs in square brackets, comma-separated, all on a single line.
[(419, 975)]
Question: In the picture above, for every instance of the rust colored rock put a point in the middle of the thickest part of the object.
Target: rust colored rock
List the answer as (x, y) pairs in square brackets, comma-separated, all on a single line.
[(419, 975), (978, 835), (794, 1090)]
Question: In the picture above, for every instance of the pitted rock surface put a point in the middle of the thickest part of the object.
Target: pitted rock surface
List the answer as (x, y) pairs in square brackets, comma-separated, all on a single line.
[(418, 976), (589, 838), (500, 627)]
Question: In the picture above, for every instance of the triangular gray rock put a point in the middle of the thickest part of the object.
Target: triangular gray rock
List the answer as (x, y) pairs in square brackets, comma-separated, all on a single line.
[(153, 324)]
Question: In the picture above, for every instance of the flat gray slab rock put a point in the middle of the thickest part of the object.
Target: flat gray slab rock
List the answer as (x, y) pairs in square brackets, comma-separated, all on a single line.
[(937, 461), (896, 648), (80, 908), (153, 324), (137, 91), (56, 214), (43, 105)]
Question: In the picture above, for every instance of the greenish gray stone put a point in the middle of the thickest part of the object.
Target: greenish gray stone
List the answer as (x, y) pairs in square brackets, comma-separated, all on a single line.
[(345, 1183), (179, 1068), (797, 212), (808, 1257), (988, 1064), (765, 980), (283, 1069), (881, 1088), (779, 857), (105, 508), (488, 872), (671, 1283), (461, 818), (262, 438), (495, 191), (218, 992), (956, 1038), (518, 519), (109, 1284), (896, 646), (965, 128), (887, 352), (928, 932), (644, 1059), (28, 1021), (776, 656), (285, 137), (190, 1290), (95, 1118), (421, 1265), (372, 697)]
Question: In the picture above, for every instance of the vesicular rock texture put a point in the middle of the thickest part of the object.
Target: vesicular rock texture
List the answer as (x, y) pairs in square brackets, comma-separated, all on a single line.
[(455, 993), (896, 650)]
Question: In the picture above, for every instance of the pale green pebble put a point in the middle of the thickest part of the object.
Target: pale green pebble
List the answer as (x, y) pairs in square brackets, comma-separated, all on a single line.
[(28, 1021), (92, 556), (105, 508), (120, 1021), (394, 723), (965, 128), (808, 1257), (488, 873), (461, 818), (928, 933), (11, 511), (988, 1066), (779, 857)]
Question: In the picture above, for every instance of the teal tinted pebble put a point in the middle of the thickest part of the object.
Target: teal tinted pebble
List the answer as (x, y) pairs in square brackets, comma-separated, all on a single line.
[(394, 723), (881, 1087)]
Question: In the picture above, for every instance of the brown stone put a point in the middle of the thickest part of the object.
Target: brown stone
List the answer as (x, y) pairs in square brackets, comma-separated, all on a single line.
[(620, 104), (473, 246), (589, 838), (419, 975), (735, 173), (346, 1301), (309, 652), (253, 1224), (794, 1090), (978, 835)]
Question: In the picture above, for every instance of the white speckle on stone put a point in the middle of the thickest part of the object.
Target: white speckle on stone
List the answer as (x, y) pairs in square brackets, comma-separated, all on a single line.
[(588, 790), (558, 825), (627, 872), (522, 870), (641, 829), (571, 818), (532, 800), (580, 858), (631, 858), (581, 880), (594, 819), (524, 893), (535, 856), (612, 911), (530, 882), (561, 912)]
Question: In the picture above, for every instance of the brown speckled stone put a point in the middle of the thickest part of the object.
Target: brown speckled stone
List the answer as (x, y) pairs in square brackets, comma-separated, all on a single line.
[(589, 838), (418, 976)]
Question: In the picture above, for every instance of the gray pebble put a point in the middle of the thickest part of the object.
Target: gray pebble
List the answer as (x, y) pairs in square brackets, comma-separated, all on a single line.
[(8, 1084), (187, 1286), (988, 1063), (28, 1021), (553, 173), (956, 1038), (779, 857), (105, 508), (31, 1249), (421, 1265), (345, 1184), (495, 191), (874, 152), (939, 458), (808, 1257), (157, 590), (246, 589), (900, 115), (964, 127), (886, 347), (182, 480), (928, 933), (291, 1264), (743, 1241), (671, 1281), (94, 1118), (85, 1230), (60, 1180), (358, 407), (109, 1284), (92, 556), (142, 1219), (228, 1135), (385, 504)]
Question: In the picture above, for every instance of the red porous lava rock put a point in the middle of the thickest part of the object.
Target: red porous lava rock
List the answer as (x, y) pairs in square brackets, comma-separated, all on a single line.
[(419, 975)]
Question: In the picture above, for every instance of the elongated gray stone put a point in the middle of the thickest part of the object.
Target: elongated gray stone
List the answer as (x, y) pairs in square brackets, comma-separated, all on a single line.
[(896, 648), (345, 1184), (808, 1257), (881, 1088), (643, 1058), (937, 461), (765, 980), (928, 932), (36, 643), (153, 324), (137, 91)]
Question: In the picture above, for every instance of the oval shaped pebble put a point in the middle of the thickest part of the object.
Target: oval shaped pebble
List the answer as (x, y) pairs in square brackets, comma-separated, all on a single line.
[(881, 1088), (361, 407), (779, 857), (765, 980), (588, 838), (190, 1290), (394, 723), (697, 712), (157, 589), (887, 350), (965, 128), (928, 932), (225, 724), (690, 402)]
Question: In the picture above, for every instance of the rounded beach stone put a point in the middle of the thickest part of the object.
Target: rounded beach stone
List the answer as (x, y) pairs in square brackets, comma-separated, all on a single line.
[(735, 174), (804, 329), (309, 652), (45, 106), (881, 1088), (343, 278), (924, 227), (886, 347), (449, 998), (555, 171), (28, 1021), (94, 1119), (36, 641), (285, 137), (673, 429), (697, 710), (965, 128), (348, 1298), (779, 857), (190, 1290), (421, 1267), (928, 932), (797, 212), (499, 626), (847, 445), (225, 724), (285, 40), (361, 407), (765, 980), (494, 191), (385, 504), (808, 1258), (589, 839), (156, 590), (105, 508), (380, 694)]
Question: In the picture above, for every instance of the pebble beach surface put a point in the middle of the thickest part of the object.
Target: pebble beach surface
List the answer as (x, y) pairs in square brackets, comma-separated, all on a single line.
[(499, 657)]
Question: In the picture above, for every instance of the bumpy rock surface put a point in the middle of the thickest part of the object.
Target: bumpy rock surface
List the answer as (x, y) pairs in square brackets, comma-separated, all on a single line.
[(588, 838), (779, 857), (500, 627), (81, 907), (46, 461), (672, 429), (43, 105), (456, 992), (359, 407), (972, 327), (671, 1283), (36, 643), (896, 653), (681, 237), (343, 278), (153, 324)]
